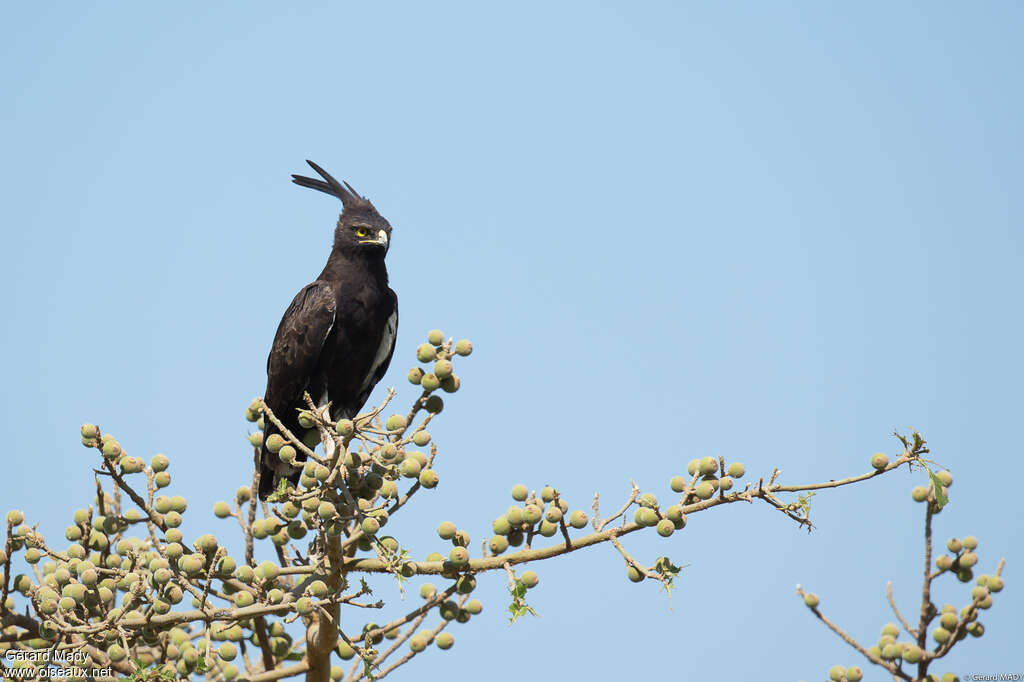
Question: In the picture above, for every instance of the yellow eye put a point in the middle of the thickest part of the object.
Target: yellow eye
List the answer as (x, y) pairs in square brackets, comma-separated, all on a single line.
[(361, 232)]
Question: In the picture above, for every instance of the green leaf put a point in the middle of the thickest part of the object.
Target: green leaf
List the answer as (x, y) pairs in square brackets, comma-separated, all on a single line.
[(368, 655), (668, 571), (804, 501), (519, 607), (941, 499), (281, 492), (520, 611)]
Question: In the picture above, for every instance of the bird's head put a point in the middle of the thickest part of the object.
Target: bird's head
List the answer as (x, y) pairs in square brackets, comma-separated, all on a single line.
[(360, 230)]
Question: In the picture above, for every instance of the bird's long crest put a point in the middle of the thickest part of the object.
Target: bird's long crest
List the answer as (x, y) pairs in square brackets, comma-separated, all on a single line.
[(344, 191)]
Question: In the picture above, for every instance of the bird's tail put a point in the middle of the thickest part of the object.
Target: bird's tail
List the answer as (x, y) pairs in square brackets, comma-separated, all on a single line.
[(268, 465)]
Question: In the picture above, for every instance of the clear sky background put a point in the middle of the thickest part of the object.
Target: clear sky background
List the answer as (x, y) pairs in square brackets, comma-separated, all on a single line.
[(774, 232)]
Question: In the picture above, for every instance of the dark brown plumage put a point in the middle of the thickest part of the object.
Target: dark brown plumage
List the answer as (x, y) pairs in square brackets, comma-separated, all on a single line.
[(336, 338)]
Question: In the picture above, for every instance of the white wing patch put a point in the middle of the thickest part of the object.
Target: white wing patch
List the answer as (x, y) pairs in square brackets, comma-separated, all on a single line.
[(323, 398), (387, 339)]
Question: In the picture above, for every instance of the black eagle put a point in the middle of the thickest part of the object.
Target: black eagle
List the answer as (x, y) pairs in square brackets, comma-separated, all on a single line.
[(336, 339)]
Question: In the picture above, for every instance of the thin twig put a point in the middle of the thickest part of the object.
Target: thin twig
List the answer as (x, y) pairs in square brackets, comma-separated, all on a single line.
[(890, 668), (892, 602)]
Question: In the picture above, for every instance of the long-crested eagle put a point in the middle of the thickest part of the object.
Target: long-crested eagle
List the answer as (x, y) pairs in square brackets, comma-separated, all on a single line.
[(336, 339)]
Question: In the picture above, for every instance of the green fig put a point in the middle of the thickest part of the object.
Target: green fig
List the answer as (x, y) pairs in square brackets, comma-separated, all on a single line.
[(736, 470), (426, 352), (459, 556)]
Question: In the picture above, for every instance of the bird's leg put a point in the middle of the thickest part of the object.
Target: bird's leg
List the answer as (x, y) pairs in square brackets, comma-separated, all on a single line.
[(328, 439), (327, 436)]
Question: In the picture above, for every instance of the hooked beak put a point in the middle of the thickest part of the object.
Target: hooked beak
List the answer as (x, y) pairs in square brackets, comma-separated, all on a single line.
[(381, 240)]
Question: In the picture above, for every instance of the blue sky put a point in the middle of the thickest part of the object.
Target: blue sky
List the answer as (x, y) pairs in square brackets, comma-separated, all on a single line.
[(773, 232)]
